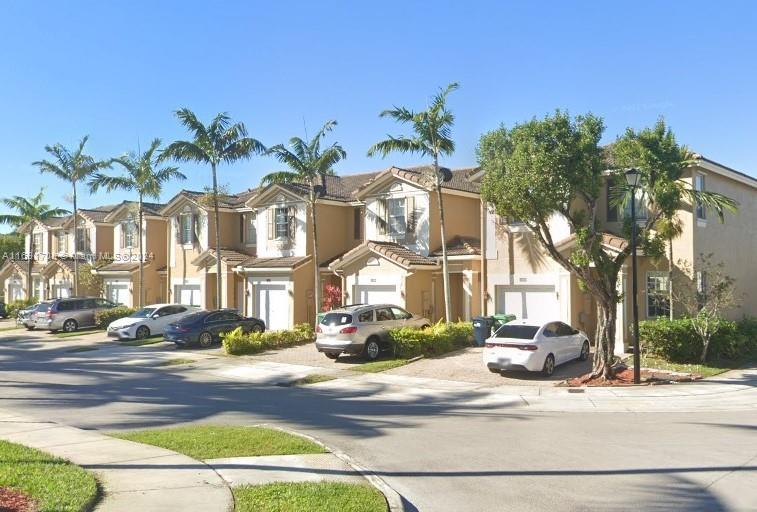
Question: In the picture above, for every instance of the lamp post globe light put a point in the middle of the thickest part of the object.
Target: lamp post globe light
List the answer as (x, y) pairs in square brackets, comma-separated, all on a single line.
[(632, 178)]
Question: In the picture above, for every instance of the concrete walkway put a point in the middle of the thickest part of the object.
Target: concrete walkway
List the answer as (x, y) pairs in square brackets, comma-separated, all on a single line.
[(318, 467), (133, 476)]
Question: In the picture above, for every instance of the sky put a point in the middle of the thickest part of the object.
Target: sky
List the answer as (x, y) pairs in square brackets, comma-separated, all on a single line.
[(117, 70)]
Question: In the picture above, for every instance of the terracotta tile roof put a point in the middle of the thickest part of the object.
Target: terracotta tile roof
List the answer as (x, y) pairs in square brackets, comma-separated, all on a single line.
[(391, 251), (23, 265), (228, 256), (460, 246), (240, 198), (336, 188), (97, 214), (54, 222), (458, 177), (283, 262), (118, 267)]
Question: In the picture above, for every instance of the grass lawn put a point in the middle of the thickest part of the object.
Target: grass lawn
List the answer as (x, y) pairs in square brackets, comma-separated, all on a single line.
[(55, 484), (379, 366), (82, 332), (705, 370), (11, 328), (313, 378), (177, 361), (147, 341), (308, 496), (214, 442)]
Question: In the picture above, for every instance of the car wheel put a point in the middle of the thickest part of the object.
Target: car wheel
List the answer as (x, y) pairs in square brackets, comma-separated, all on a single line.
[(549, 366), (28, 328), (495, 370), (331, 355), (70, 325), (257, 328), (372, 349), (143, 332), (205, 339), (584, 351)]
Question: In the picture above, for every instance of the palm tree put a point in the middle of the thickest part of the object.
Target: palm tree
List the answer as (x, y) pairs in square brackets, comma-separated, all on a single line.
[(670, 228), (309, 165), (432, 138), (221, 141), (29, 211), (143, 175), (72, 167)]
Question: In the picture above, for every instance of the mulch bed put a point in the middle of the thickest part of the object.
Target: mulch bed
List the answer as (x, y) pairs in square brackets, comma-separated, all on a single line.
[(15, 501), (624, 377)]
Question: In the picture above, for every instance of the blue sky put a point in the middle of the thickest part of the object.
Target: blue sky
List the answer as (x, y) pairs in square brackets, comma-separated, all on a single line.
[(116, 70)]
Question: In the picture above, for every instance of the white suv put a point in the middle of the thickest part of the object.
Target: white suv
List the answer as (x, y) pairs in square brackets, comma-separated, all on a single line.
[(362, 329)]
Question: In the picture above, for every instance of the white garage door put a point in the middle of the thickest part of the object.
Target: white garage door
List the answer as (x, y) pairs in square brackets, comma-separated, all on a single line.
[(531, 302), (118, 293), (377, 294), (272, 305), (188, 294)]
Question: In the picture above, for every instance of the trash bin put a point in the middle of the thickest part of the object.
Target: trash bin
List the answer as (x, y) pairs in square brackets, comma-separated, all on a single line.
[(482, 329), (501, 319)]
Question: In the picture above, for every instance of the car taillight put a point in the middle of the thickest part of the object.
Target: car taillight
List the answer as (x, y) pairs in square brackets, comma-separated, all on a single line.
[(348, 330), (318, 328), (50, 313), (528, 347)]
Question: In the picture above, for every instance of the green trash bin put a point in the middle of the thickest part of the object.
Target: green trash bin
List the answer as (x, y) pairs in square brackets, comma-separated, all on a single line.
[(501, 319)]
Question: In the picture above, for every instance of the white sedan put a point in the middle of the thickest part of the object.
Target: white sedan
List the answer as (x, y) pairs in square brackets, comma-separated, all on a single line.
[(534, 346), (148, 321)]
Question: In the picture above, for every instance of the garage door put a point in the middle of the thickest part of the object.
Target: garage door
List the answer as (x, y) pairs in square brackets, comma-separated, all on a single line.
[(377, 294), (118, 293), (272, 305), (188, 294), (532, 302)]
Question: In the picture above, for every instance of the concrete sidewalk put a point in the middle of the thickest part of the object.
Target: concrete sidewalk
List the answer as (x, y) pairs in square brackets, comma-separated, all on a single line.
[(133, 476)]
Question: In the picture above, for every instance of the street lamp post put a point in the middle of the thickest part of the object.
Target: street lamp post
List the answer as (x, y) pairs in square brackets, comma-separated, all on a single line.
[(632, 177)]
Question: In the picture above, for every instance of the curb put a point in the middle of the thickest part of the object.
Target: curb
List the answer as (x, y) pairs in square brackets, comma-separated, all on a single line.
[(394, 500)]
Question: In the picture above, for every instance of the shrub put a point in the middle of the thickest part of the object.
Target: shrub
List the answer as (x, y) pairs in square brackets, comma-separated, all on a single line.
[(433, 341), (14, 306), (676, 340), (237, 343), (106, 316)]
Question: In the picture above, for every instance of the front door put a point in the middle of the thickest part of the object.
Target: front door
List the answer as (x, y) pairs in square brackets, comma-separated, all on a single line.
[(272, 305)]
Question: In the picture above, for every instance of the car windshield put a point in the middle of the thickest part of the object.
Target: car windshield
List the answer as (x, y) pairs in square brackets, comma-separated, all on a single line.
[(519, 332), (337, 319), (143, 313), (190, 319)]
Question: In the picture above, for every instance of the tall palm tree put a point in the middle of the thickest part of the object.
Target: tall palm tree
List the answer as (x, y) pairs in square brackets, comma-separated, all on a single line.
[(432, 138), (145, 176), (72, 167), (670, 228), (308, 165), (221, 141), (29, 211)]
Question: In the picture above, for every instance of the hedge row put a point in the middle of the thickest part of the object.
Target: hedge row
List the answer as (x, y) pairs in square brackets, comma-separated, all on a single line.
[(237, 343), (676, 340), (433, 341), (104, 317), (14, 306)]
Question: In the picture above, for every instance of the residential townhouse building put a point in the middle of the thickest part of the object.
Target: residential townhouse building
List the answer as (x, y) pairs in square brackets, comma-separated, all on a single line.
[(522, 279)]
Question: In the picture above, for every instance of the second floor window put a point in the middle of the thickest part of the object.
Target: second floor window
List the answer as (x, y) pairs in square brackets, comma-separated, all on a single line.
[(281, 223), (129, 234), (357, 223), (186, 228), (37, 239), (699, 187), (396, 216), (62, 239), (251, 229), (82, 234)]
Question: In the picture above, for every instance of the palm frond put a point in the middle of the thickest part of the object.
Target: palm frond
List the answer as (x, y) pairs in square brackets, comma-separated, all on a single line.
[(280, 178), (242, 149), (184, 151), (400, 114), (399, 144), (191, 123)]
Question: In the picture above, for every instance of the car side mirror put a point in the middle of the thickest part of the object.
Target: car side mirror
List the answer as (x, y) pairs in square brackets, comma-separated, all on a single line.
[(575, 331)]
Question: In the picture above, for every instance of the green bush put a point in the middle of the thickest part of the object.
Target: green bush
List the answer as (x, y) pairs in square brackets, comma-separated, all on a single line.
[(438, 339), (237, 343), (104, 317), (14, 306), (677, 342)]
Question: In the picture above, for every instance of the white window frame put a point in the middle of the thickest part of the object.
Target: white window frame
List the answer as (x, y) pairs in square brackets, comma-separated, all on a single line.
[(396, 214), (129, 229), (37, 245), (83, 238), (251, 229), (281, 223), (183, 229), (61, 238), (657, 275)]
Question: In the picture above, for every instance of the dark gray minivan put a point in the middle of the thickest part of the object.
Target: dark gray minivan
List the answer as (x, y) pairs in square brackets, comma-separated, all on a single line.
[(71, 314)]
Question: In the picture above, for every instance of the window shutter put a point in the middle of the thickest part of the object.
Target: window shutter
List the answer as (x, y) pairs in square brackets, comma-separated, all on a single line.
[(241, 228), (177, 229), (271, 220), (291, 219), (381, 216), (195, 228), (123, 236)]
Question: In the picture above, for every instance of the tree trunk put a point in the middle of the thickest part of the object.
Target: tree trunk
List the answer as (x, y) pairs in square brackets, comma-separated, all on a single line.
[(670, 278), (445, 273), (141, 258), (30, 264), (705, 348), (605, 339), (317, 283), (76, 245), (218, 237)]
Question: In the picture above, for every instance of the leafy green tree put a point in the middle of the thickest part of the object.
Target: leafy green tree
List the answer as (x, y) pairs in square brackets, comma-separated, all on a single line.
[(72, 167), (27, 213), (144, 175), (555, 166), (432, 138), (221, 141), (308, 165), (11, 244)]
